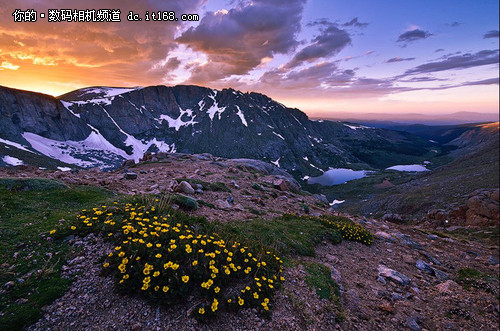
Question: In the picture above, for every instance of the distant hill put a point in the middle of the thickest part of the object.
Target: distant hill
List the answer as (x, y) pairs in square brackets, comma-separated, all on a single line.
[(476, 166), (387, 120)]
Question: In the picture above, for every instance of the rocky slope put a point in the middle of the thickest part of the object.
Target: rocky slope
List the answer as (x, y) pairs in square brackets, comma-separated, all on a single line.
[(409, 278), (102, 126)]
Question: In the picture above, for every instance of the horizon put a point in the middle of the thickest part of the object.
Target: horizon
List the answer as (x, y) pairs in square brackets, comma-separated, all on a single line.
[(324, 59)]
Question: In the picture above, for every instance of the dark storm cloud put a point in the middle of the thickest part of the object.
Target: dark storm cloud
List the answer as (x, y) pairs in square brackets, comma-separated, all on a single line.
[(413, 35), (329, 42), (462, 61), (356, 23), (399, 59), (236, 41), (491, 34)]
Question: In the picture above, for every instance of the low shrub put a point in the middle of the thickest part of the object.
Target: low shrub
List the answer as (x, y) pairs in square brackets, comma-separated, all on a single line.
[(348, 229), (166, 260)]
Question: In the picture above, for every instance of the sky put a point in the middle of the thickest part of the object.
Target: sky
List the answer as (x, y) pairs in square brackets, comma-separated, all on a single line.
[(323, 57)]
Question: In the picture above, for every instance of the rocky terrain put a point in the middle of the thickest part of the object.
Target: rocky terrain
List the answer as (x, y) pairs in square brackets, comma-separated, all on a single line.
[(416, 277)]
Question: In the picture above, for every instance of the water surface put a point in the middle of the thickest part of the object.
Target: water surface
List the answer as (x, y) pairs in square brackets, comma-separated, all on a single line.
[(337, 176)]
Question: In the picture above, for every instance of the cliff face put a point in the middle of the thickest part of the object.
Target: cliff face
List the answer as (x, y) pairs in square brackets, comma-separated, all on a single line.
[(102, 126)]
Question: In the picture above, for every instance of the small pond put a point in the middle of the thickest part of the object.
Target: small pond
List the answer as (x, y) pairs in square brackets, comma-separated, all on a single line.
[(337, 176)]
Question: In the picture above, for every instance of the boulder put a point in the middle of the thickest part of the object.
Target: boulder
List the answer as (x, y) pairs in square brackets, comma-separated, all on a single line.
[(483, 208), (130, 175), (221, 204), (393, 218), (285, 184), (394, 275), (184, 187)]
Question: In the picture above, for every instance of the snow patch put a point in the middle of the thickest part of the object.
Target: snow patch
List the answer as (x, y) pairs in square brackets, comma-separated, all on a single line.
[(305, 158), (106, 95), (242, 117), (336, 202), (214, 109), (312, 165), (178, 122), (67, 105), (409, 167), (96, 150), (277, 162), (12, 160), (279, 135), (16, 145), (64, 168), (356, 127)]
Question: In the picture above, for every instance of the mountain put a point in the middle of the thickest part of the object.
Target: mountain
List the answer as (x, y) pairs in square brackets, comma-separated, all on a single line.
[(103, 126), (386, 120)]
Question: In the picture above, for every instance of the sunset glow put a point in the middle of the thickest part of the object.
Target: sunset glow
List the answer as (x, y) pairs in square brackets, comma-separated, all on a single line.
[(323, 57)]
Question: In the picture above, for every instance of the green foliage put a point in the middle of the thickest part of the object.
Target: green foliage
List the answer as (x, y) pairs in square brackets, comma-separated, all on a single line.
[(31, 184), (30, 207), (319, 278), (305, 208), (288, 234), (472, 278), (206, 204), (184, 202), (166, 257), (348, 229), (216, 186), (257, 187)]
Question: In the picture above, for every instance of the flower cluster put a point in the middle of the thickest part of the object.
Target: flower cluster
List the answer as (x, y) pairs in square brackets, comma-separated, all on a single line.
[(167, 261), (348, 229)]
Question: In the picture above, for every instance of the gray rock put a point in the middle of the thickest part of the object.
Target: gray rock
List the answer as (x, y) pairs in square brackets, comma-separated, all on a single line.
[(222, 204), (9, 284), (396, 296), (409, 241), (130, 175), (384, 236), (413, 324), (184, 187), (441, 275), (393, 275), (493, 260), (424, 267), (381, 280)]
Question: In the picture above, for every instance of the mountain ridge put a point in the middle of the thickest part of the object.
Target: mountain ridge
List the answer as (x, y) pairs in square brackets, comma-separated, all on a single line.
[(103, 126)]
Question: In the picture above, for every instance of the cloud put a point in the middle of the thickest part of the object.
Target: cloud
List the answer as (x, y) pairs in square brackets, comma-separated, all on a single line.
[(356, 23), (439, 50), (399, 59), (489, 81), (237, 40), (413, 35), (422, 79), (90, 53), (454, 24), (462, 61), (491, 34), (329, 42)]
